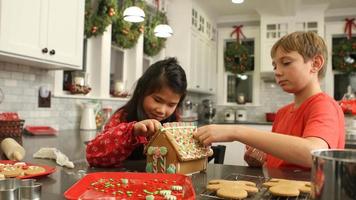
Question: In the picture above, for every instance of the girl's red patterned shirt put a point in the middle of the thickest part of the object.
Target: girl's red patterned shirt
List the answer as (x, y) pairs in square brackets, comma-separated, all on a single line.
[(114, 144)]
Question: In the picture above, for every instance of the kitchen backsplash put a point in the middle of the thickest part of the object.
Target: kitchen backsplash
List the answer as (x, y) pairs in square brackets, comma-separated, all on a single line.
[(20, 85)]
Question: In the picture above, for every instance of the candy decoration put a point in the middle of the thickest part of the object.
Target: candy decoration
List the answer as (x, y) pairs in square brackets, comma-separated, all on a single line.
[(162, 162), (149, 167), (154, 164), (163, 150), (171, 169)]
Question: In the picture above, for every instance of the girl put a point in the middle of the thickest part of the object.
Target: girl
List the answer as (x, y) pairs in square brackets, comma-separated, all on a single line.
[(158, 94)]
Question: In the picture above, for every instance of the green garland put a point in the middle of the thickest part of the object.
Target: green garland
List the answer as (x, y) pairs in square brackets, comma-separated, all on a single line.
[(341, 51), (236, 58), (152, 45), (97, 20), (125, 34)]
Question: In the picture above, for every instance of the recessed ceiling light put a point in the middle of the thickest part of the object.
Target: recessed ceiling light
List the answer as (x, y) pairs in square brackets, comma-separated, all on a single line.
[(237, 1)]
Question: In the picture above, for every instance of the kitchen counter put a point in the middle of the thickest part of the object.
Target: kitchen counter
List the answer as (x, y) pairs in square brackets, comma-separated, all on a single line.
[(72, 143)]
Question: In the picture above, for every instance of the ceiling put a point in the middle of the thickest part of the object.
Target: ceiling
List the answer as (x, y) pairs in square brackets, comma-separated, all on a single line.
[(221, 8)]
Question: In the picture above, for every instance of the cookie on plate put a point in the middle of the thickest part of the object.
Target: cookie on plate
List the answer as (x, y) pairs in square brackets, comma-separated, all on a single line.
[(32, 170), (11, 172)]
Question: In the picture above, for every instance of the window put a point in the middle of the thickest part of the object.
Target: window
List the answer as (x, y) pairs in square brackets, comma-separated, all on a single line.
[(276, 30), (194, 18), (241, 85), (307, 26)]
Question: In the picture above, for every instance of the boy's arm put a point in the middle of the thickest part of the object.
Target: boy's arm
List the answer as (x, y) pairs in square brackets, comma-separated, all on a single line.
[(289, 148)]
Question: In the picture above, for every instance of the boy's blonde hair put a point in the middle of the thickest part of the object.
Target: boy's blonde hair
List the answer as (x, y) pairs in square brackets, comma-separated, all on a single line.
[(307, 44)]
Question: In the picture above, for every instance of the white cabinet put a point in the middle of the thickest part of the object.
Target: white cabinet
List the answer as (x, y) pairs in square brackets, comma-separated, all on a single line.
[(48, 33), (274, 27), (193, 44), (235, 151)]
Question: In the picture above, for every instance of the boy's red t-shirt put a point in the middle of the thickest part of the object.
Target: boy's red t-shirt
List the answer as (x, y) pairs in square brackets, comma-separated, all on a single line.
[(319, 116)]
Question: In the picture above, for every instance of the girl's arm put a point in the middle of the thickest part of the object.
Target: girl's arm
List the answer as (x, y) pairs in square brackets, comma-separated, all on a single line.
[(114, 144)]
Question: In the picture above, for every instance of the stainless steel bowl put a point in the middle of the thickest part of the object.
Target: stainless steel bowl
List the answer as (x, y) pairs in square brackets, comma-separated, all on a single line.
[(16, 189), (334, 174), (9, 189), (30, 190)]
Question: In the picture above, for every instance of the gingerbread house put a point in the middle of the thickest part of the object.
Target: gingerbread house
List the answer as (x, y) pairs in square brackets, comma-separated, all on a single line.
[(174, 150)]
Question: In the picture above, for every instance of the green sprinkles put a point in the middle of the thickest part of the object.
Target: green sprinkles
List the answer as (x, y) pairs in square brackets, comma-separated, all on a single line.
[(150, 197), (147, 192)]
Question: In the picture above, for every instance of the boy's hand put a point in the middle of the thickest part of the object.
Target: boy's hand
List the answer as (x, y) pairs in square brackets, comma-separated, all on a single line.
[(254, 157), (146, 127), (214, 133)]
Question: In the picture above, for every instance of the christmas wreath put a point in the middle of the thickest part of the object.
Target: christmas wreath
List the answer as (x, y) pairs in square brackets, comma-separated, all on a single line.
[(344, 55), (344, 52), (96, 20), (125, 34), (152, 45), (236, 54)]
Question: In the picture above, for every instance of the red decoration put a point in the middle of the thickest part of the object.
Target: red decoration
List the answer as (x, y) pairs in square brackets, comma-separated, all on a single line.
[(157, 4), (348, 106), (349, 25), (238, 31)]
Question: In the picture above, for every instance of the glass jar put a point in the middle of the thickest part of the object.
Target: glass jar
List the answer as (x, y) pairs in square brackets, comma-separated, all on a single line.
[(78, 78)]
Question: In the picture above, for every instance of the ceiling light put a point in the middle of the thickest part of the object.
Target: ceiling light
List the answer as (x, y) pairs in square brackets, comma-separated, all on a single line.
[(163, 31), (134, 14), (237, 1)]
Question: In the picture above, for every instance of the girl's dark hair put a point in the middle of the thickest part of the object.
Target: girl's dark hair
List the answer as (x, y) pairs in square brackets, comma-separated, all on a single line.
[(162, 73)]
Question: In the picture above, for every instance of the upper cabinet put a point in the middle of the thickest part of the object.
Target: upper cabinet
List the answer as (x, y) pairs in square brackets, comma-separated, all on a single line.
[(193, 43), (44, 33), (274, 26)]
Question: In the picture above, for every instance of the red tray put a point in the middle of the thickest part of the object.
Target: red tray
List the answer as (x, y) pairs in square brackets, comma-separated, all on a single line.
[(138, 182), (40, 130), (49, 170)]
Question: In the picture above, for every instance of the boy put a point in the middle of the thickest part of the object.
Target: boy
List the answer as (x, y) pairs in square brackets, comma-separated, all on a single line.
[(313, 121)]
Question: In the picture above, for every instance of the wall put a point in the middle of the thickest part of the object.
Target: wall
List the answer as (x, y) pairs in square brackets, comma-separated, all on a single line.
[(272, 98), (20, 86)]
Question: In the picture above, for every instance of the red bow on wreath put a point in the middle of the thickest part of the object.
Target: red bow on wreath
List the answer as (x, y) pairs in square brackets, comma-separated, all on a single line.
[(238, 31), (157, 4), (348, 27)]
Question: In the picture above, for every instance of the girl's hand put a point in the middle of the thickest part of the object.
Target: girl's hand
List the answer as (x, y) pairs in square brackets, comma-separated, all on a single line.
[(214, 133), (146, 127)]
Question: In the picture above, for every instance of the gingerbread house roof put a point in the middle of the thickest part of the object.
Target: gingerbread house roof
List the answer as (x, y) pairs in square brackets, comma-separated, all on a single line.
[(180, 135)]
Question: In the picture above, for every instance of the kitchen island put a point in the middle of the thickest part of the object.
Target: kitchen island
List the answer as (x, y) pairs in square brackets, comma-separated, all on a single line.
[(72, 144)]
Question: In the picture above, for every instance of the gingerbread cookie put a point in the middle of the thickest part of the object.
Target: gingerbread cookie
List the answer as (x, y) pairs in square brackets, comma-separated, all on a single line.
[(287, 188), (232, 193), (284, 190), (31, 170), (11, 172), (232, 189)]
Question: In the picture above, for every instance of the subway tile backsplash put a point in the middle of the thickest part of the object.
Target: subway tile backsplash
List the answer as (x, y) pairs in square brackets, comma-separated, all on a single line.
[(20, 85)]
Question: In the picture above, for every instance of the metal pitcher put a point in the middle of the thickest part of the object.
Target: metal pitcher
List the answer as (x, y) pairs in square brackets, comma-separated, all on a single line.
[(334, 174)]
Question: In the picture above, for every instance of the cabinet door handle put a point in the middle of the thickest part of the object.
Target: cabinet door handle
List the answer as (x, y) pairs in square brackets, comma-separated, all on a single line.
[(44, 50), (198, 86), (52, 52)]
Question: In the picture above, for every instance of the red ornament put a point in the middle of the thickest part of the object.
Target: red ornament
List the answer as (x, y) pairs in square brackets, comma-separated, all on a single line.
[(94, 29), (112, 12)]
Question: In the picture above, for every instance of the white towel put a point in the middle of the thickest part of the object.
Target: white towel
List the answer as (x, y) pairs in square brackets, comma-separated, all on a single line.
[(53, 153)]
